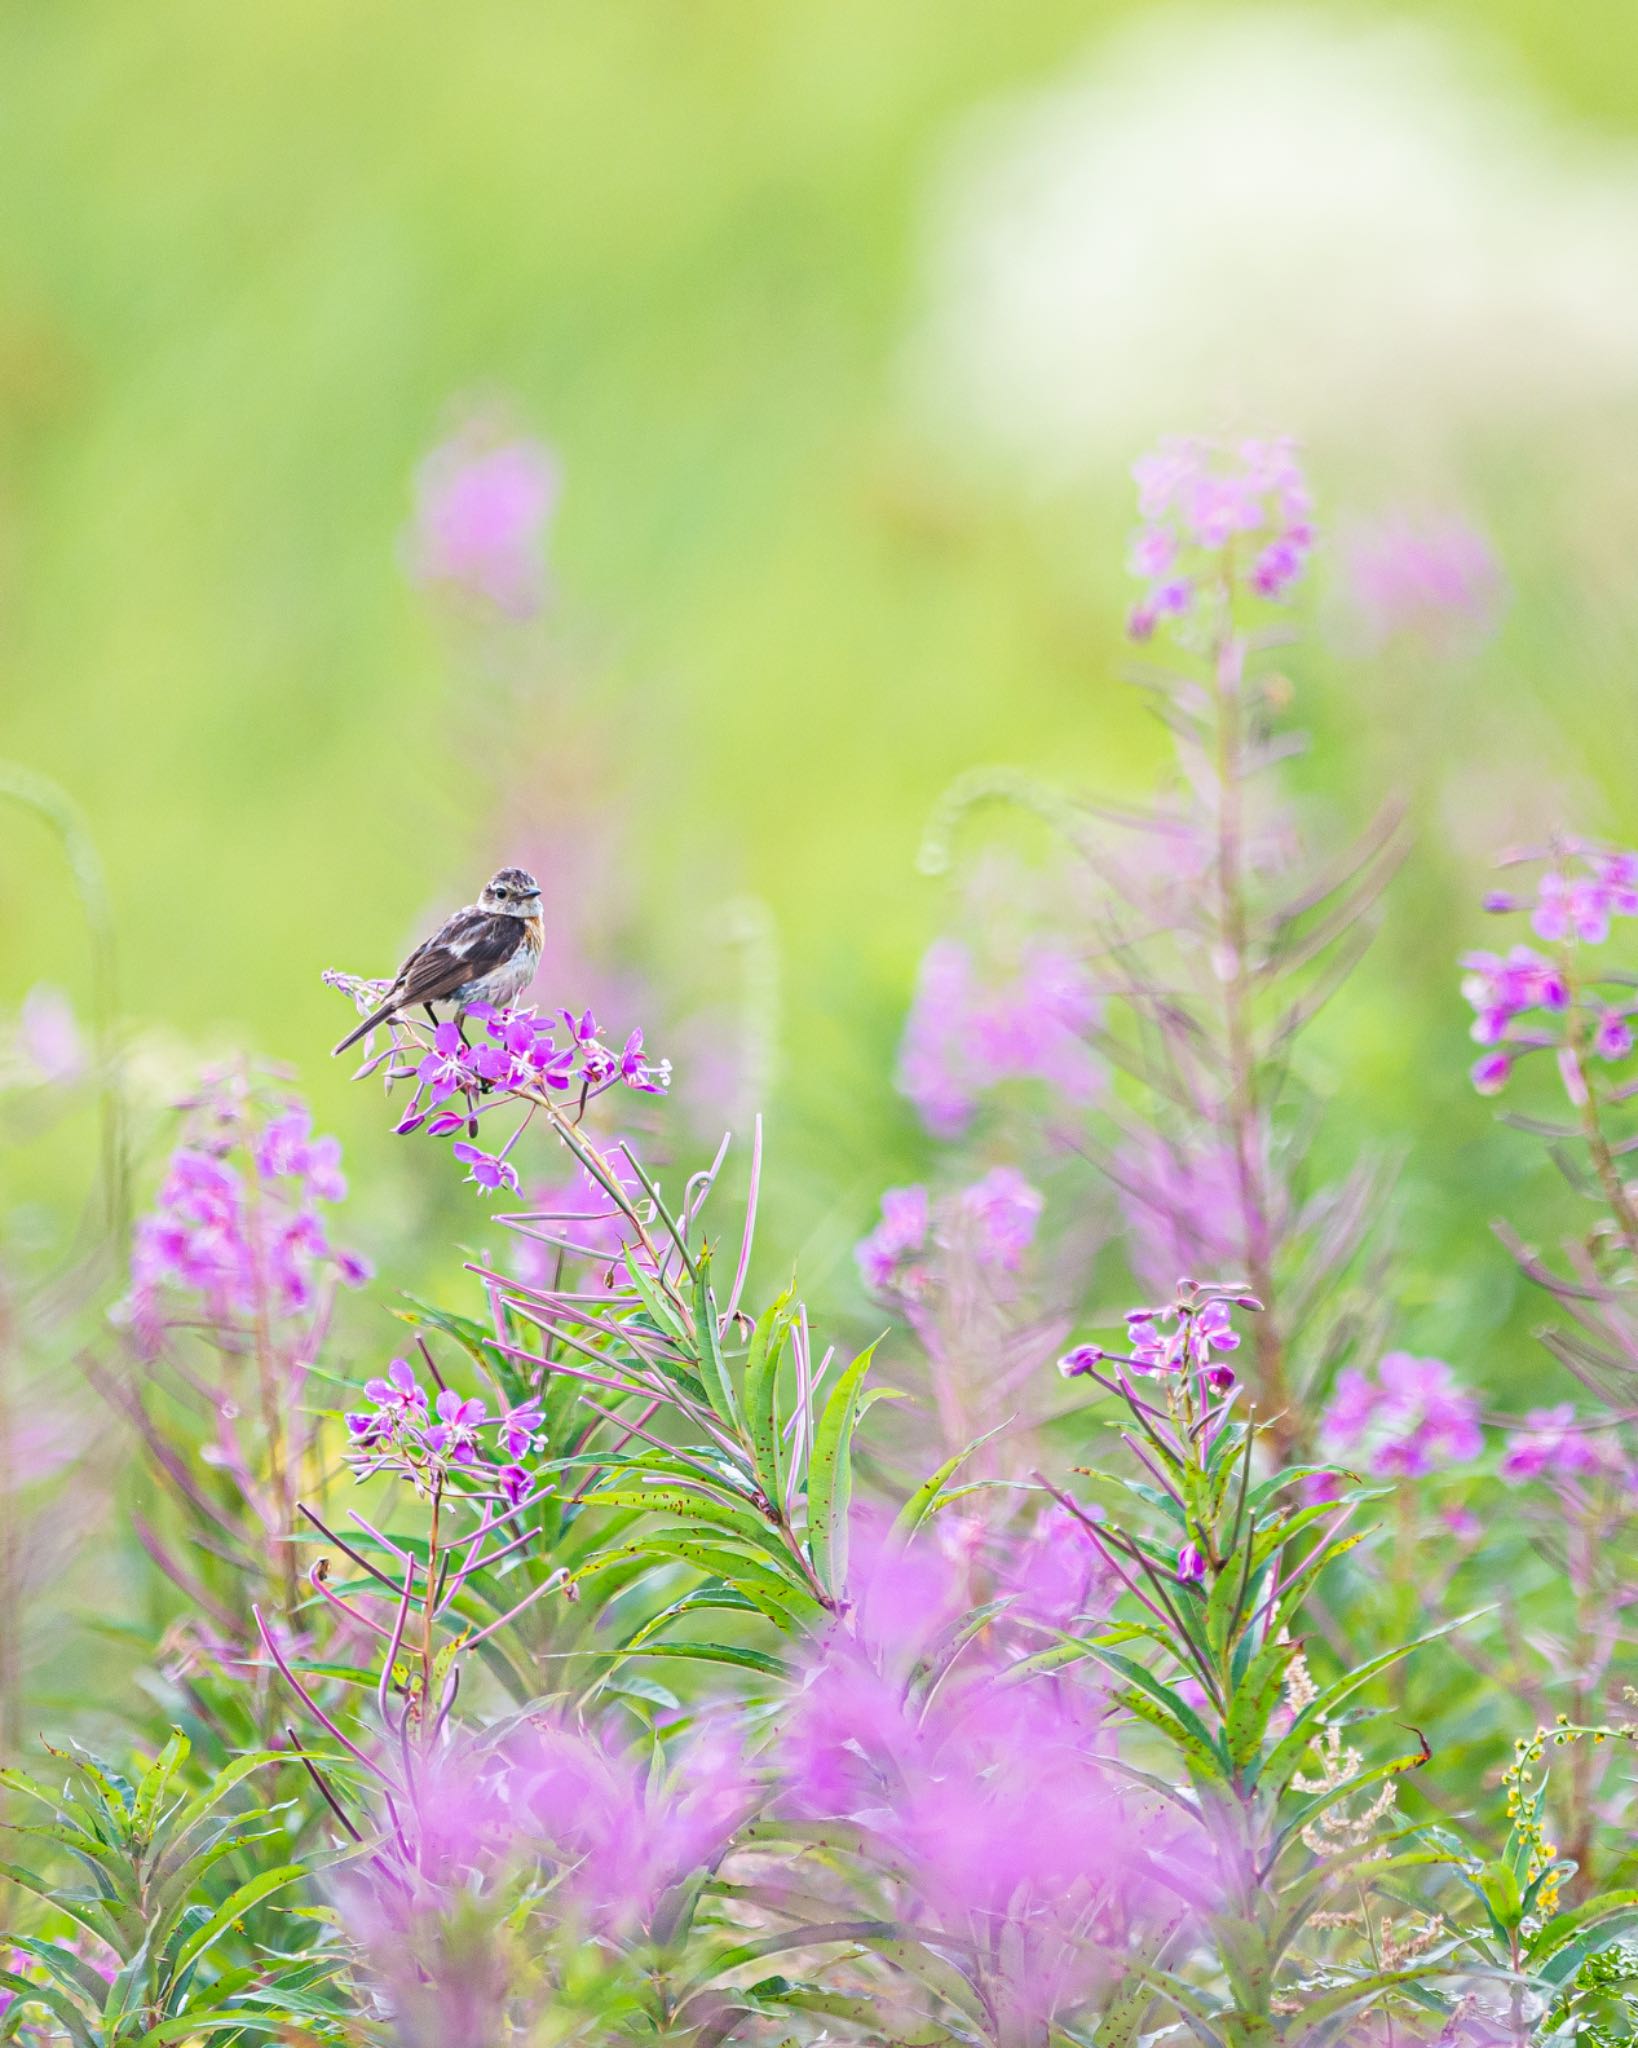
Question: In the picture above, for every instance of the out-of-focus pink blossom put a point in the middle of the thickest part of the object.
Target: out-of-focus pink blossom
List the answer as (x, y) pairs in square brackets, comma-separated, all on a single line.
[(237, 1237), (1435, 582), (987, 1227), (965, 1036), (1551, 1445), (1000, 1213), (621, 1835), (992, 1801), (898, 1238), (482, 506), (48, 1039), (1184, 1207), (1413, 1418)]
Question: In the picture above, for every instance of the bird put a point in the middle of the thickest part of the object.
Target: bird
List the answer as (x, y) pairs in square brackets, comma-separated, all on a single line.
[(486, 953)]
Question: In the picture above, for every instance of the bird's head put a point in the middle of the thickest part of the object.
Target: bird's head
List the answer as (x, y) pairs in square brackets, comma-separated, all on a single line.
[(511, 892)]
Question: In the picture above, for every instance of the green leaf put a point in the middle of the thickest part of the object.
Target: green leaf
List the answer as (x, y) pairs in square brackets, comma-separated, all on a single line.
[(762, 1420), (1288, 1755), (233, 1907), (1189, 1731), (695, 1508), (474, 1339), (719, 1387), (178, 1827), (1255, 1698), (1549, 1939), (154, 1781), (830, 1474), (82, 1910), (734, 1655), (268, 2020), (925, 1498), (665, 1316), (53, 2000)]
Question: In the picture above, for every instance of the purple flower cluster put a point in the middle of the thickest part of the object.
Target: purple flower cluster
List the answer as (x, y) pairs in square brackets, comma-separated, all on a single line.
[(1412, 1419), (621, 1835), (961, 1785), (453, 1436), (1433, 581), (241, 1238), (1183, 1204), (992, 1222), (481, 509), (1185, 1335), (963, 1037), (1552, 1445), (519, 1052), (1573, 906), (1247, 505)]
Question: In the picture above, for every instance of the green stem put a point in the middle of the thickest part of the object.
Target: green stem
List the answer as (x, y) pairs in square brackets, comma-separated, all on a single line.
[(51, 803)]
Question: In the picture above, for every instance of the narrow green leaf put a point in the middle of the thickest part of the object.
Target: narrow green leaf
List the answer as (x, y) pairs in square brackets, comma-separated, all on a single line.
[(1558, 1930), (1255, 1698), (1289, 1753), (762, 1361), (233, 1907), (830, 1474), (719, 1388), (926, 1496), (665, 1316), (154, 1781)]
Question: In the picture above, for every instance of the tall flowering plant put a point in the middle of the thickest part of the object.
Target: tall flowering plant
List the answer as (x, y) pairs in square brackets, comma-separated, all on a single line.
[(233, 1280), (1214, 934), (1552, 1020)]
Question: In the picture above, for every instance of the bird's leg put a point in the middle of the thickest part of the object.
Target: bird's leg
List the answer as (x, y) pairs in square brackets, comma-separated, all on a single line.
[(460, 1026), (585, 1090), (432, 1015)]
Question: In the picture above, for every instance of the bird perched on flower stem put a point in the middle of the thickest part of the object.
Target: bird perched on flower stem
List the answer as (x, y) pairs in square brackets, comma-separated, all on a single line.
[(486, 953)]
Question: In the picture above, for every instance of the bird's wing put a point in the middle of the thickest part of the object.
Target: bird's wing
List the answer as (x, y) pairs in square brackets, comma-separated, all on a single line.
[(468, 947)]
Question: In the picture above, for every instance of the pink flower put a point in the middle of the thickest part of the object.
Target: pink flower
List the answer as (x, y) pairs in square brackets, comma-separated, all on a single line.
[(621, 1834), (901, 1234), (1412, 1419), (481, 511), (1435, 582), (486, 1169), (1551, 1446), (1001, 1212), (1198, 496), (963, 1038), (455, 1434)]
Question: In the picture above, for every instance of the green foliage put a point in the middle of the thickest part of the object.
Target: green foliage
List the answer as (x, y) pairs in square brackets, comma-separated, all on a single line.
[(174, 1896)]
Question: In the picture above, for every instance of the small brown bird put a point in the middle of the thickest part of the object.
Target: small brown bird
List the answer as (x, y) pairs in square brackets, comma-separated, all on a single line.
[(486, 953)]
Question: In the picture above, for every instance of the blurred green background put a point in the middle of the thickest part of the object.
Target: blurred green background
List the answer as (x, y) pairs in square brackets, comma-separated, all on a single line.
[(251, 258)]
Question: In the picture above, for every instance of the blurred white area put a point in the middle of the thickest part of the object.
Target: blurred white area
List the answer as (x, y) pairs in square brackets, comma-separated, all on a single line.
[(1362, 232)]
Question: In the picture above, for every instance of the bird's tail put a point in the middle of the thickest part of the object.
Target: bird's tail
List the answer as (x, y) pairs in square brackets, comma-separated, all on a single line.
[(367, 1024)]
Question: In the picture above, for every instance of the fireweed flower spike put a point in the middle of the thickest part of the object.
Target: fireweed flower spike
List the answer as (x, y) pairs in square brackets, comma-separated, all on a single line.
[(1206, 934), (235, 1260), (1562, 998), (521, 1062), (1198, 500)]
